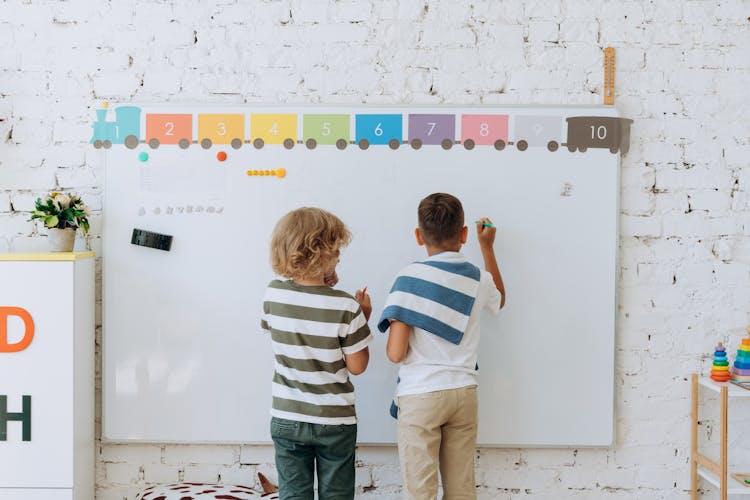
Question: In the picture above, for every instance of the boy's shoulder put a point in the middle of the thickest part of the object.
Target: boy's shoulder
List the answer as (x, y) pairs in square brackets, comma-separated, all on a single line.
[(452, 262), (326, 291)]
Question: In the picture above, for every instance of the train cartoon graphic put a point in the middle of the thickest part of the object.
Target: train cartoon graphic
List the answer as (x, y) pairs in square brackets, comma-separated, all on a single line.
[(361, 129)]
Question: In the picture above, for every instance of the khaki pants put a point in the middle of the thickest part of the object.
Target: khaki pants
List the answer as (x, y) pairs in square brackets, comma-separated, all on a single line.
[(438, 428)]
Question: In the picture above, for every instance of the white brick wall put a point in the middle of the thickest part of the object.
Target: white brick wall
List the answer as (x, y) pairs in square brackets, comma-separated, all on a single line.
[(683, 73)]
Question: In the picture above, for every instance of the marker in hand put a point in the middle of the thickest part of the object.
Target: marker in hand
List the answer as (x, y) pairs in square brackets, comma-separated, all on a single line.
[(364, 290), (485, 223)]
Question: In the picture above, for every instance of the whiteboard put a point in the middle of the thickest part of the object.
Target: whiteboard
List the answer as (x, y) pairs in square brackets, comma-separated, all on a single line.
[(184, 359)]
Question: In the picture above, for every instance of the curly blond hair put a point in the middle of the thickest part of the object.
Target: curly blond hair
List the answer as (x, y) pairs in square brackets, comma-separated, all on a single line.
[(304, 240)]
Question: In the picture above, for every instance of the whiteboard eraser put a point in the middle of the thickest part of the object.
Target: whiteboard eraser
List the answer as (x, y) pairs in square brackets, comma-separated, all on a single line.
[(144, 238)]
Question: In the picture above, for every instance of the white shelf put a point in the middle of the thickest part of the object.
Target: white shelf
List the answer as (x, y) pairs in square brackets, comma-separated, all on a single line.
[(733, 487), (734, 391)]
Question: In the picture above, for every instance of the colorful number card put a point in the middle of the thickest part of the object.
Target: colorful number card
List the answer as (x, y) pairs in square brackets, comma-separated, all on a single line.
[(169, 129), (326, 129), (379, 129), (432, 129), (484, 130), (221, 129), (273, 129)]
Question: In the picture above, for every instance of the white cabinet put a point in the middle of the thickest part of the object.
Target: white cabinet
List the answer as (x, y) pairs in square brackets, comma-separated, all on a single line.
[(47, 376)]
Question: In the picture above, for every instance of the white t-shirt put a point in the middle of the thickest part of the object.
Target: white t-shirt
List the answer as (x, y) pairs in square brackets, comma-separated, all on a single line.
[(434, 364)]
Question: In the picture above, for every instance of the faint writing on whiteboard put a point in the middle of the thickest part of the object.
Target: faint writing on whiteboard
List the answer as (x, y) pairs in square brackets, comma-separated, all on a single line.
[(180, 210), (188, 186)]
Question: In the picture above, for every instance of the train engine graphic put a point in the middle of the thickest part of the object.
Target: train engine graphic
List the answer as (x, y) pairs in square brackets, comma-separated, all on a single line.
[(126, 129)]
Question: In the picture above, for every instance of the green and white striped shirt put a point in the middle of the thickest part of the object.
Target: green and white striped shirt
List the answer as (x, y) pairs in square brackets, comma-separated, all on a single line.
[(312, 328)]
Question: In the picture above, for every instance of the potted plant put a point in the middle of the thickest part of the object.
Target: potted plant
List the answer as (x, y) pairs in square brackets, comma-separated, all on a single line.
[(62, 214)]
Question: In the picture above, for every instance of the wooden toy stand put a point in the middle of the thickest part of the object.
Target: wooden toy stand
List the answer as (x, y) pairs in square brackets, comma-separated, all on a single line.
[(715, 472)]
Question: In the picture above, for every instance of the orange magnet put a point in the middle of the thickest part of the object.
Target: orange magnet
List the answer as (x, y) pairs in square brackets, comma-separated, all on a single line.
[(221, 156)]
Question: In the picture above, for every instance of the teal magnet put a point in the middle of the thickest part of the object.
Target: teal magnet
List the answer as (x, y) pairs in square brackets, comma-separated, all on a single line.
[(143, 156)]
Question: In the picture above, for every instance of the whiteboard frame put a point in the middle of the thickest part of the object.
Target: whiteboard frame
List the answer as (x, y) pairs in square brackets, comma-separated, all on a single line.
[(405, 111)]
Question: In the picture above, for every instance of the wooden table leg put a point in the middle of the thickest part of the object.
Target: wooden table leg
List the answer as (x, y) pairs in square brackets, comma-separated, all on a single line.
[(694, 441), (724, 422)]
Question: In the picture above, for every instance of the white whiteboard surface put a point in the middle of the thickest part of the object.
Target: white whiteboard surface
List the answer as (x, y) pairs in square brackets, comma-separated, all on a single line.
[(184, 358)]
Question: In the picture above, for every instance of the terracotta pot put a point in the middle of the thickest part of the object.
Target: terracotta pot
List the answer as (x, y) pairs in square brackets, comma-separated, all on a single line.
[(61, 240)]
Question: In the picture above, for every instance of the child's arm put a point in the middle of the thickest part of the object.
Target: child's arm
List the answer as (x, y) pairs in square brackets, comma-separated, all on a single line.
[(357, 363), (486, 237), (364, 303), (398, 341)]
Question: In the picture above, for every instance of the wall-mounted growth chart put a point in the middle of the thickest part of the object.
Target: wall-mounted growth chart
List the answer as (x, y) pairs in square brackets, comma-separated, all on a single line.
[(184, 358)]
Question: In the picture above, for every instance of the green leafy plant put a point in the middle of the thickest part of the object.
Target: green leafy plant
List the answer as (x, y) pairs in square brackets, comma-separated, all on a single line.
[(60, 210)]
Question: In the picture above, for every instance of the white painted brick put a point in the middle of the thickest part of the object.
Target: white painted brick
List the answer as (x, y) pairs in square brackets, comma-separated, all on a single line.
[(735, 273), (377, 455), (122, 473), (161, 473), (33, 132), (24, 82), (363, 477), (579, 30), (5, 202), (671, 202), (387, 475), (696, 178), (76, 177), (117, 493), (27, 244), (116, 85), (256, 454), (145, 454), (636, 201), (620, 478), (640, 226), (244, 476), (545, 458), (543, 31), (637, 177), (13, 224), (714, 201), (655, 274), (201, 473), (199, 454), (697, 225)]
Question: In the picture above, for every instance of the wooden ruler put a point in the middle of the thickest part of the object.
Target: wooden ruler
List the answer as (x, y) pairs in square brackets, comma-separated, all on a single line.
[(609, 75)]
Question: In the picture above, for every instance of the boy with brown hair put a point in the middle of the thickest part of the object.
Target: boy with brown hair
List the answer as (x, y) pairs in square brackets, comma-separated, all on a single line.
[(319, 336), (433, 312)]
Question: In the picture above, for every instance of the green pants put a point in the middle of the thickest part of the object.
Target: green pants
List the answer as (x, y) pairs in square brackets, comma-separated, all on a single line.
[(303, 449)]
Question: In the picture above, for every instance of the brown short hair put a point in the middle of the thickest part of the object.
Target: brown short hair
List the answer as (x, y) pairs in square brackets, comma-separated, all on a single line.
[(441, 218), (305, 239)]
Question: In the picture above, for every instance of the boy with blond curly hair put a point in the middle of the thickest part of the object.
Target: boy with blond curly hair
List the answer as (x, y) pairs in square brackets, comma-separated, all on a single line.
[(319, 337)]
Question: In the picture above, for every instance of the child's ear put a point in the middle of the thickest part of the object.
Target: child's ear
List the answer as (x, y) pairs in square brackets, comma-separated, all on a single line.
[(464, 235), (418, 235)]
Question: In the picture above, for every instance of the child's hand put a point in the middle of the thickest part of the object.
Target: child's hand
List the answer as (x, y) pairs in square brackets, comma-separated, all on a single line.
[(364, 303), (485, 234), (331, 279)]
